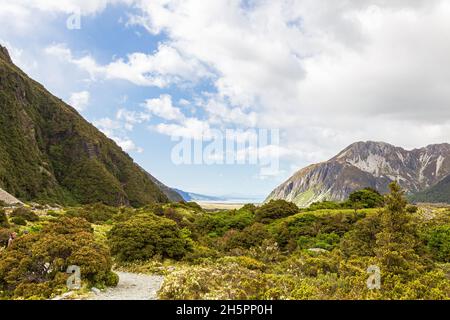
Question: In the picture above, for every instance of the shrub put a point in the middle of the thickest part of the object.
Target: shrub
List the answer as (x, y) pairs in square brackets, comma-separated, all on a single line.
[(365, 198), (217, 223), (3, 219), (412, 209), (275, 209), (25, 214), (35, 265), (146, 235), (250, 207), (94, 213), (325, 241), (19, 221), (438, 241), (324, 205), (155, 208), (251, 236)]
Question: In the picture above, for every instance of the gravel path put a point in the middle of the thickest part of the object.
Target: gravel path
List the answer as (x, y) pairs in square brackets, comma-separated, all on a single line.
[(132, 286)]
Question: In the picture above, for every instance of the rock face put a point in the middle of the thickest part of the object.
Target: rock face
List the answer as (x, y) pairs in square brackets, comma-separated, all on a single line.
[(7, 198), (49, 152), (367, 164)]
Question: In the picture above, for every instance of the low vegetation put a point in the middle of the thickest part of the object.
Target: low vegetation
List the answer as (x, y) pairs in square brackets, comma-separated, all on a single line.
[(274, 251)]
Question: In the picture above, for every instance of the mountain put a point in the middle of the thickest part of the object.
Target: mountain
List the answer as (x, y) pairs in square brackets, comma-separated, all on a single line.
[(171, 193), (439, 193), (190, 196), (49, 152), (5, 197), (366, 164)]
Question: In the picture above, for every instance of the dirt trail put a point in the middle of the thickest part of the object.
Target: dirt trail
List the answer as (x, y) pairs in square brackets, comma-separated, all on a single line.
[(132, 286)]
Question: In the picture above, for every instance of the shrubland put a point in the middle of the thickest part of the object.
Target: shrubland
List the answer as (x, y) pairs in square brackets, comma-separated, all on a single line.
[(272, 251)]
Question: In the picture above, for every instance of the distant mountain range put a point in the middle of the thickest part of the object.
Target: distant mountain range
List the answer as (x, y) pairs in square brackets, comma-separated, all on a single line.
[(190, 196), (49, 152), (424, 173)]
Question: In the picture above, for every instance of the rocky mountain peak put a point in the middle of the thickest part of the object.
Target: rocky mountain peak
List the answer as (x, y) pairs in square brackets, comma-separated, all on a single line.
[(367, 164), (4, 54)]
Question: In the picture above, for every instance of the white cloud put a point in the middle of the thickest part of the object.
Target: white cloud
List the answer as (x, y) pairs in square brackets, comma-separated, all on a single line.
[(318, 70), (191, 128), (162, 68), (326, 73), (131, 118), (79, 100), (116, 129), (163, 108)]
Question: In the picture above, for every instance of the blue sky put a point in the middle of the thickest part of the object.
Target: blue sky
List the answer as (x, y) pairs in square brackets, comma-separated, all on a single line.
[(324, 74)]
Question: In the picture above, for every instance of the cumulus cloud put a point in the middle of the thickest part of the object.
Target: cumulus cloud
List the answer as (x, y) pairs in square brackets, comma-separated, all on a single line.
[(326, 73), (79, 100), (162, 68), (319, 70), (163, 108), (191, 128)]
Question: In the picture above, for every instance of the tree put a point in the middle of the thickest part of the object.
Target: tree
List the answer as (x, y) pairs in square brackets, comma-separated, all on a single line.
[(365, 198), (396, 243)]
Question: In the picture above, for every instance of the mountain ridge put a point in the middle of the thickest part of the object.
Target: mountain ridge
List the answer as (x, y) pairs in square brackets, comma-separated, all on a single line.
[(366, 164), (49, 152)]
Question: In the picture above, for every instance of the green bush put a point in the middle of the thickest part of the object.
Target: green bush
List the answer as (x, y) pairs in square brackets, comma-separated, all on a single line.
[(217, 223), (324, 205), (35, 265), (251, 236), (325, 241), (275, 209), (438, 241), (365, 198), (146, 235), (412, 209), (287, 231), (3, 219), (24, 214), (19, 221), (96, 213)]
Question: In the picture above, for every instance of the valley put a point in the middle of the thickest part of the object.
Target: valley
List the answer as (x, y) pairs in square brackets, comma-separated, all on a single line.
[(79, 219)]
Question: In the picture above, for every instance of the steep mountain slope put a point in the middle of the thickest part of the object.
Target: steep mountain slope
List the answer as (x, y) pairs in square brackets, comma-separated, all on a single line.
[(170, 193), (49, 152), (439, 193), (366, 164)]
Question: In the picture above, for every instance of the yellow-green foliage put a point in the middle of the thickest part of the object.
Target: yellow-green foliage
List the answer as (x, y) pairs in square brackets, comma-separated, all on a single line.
[(25, 214), (404, 244), (35, 265)]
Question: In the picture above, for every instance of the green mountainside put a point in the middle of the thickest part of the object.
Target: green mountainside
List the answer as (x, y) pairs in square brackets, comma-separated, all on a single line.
[(440, 193), (48, 152)]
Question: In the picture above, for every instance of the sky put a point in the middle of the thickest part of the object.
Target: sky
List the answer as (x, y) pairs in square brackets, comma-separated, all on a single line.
[(289, 82)]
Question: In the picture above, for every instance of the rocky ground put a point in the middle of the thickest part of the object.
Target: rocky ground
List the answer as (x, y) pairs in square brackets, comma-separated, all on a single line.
[(132, 286)]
